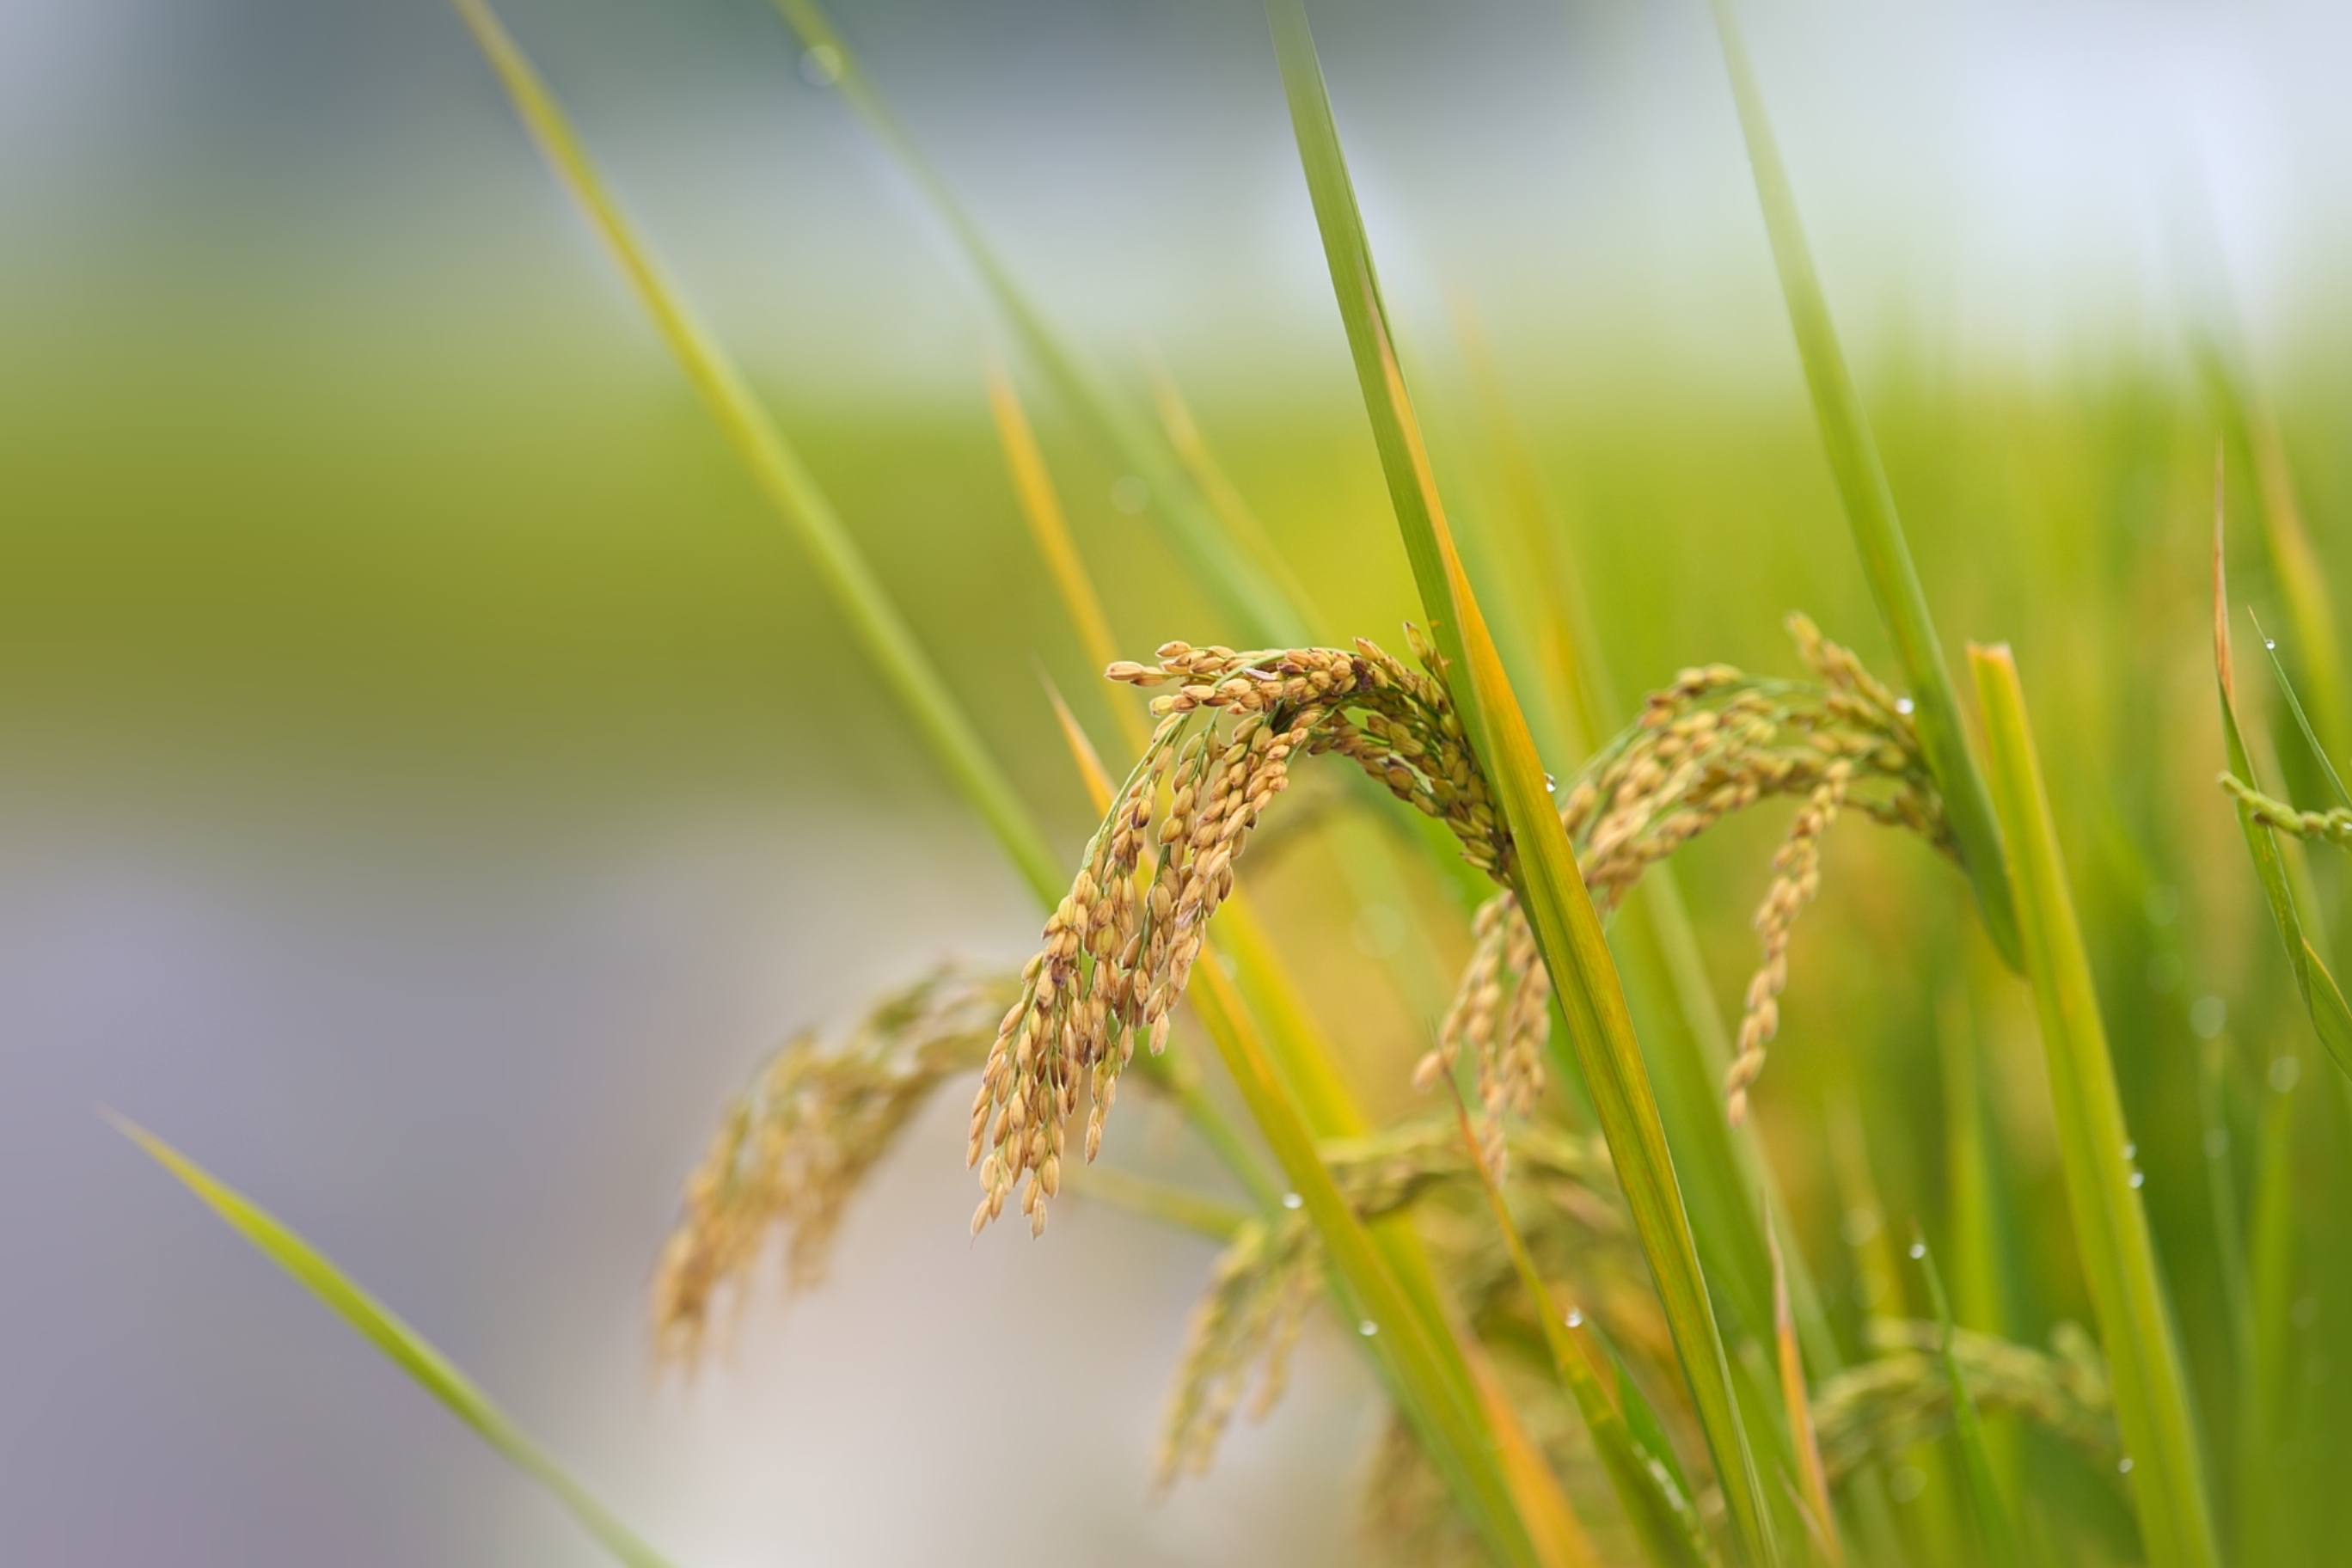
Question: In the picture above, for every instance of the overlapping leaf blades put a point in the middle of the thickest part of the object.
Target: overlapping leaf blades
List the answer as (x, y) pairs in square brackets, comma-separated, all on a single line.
[(1568, 931)]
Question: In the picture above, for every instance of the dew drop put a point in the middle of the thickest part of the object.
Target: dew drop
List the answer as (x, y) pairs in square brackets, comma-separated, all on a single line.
[(2285, 1071), (1918, 1250), (2268, 643), (2131, 1151), (821, 66), (1552, 784), (2138, 1178), (1291, 1200), (2123, 1466), (1575, 1318), (1367, 1327), (1903, 705)]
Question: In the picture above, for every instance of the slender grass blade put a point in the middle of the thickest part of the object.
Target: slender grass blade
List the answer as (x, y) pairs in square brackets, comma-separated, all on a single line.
[(1041, 508), (401, 1345), (776, 469), (2323, 999), (1996, 1531), (1870, 507), (1234, 582), (2151, 1395), (2294, 563), (2302, 720), (1568, 931), (1797, 1406), (1224, 498)]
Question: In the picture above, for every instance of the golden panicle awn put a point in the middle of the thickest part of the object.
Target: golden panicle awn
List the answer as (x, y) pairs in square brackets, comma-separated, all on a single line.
[(1716, 741), (798, 1139), (1119, 949)]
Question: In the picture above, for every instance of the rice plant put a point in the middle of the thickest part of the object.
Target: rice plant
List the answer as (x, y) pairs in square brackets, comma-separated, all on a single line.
[(1627, 1298)]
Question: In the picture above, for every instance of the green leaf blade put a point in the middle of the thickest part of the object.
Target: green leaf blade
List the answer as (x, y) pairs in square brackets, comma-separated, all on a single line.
[(2151, 1393), (1247, 594), (1566, 928), (1869, 504), (776, 469), (401, 1345)]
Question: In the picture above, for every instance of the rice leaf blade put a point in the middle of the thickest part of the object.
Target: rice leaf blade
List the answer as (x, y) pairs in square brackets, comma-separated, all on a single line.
[(1041, 508), (776, 469), (1233, 582), (2302, 720), (2151, 1393), (1996, 1532), (1870, 509), (1567, 930), (2323, 999), (400, 1345), (2293, 561)]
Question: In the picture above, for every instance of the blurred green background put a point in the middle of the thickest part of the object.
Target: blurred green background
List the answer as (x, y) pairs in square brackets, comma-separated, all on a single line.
[(431, 779)]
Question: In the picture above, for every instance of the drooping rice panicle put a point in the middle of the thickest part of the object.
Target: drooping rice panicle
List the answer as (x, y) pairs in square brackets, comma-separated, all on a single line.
[(797, 1142), (1903, 1397), (1244, 1325), (1119, 949), (1714, 742)]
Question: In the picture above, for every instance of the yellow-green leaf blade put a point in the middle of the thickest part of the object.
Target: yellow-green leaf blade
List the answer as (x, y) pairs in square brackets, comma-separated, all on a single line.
[(2151, 1393), (1870, 510), (776, 469), (400, 1344), (1255, 602), (1567, 930)]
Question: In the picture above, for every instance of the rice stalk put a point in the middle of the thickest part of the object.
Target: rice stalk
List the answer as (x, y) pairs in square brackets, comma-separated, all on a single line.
[(1566, 928), (402, 1346), (1974, 1214), (1870, 506), (2260, 816), (1821, 1515), (1997, 1534), (1569, 1198), (2152, 1399)]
